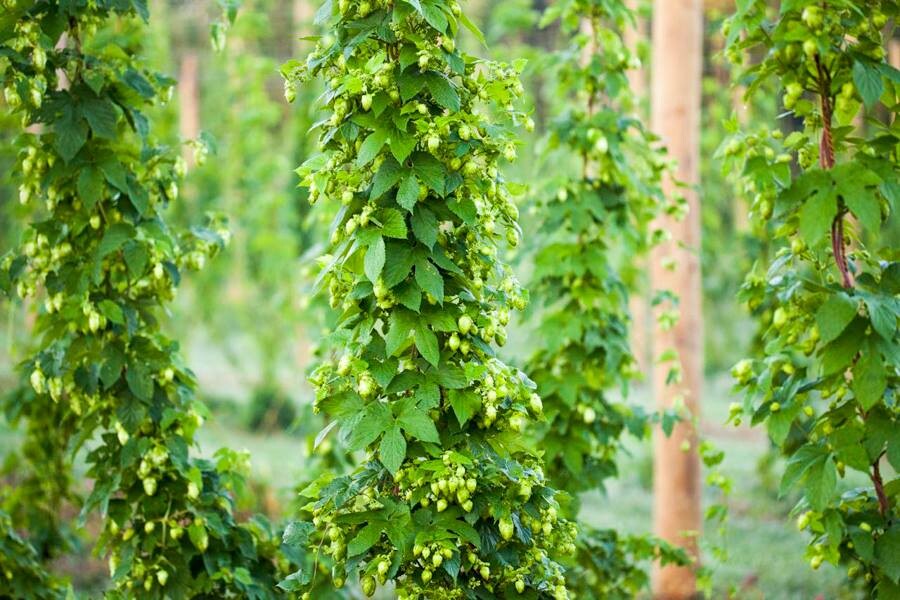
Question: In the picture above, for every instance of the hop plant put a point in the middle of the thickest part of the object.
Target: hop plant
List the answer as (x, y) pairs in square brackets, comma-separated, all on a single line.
[(825, 384), (450, 500), (101, 255)]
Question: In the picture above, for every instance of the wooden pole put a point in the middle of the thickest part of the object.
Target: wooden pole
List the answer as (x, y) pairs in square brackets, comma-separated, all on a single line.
[(675, 265), (189, 101)]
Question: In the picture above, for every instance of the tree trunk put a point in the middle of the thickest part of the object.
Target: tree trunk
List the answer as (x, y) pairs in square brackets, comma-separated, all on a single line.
[(675, 265)]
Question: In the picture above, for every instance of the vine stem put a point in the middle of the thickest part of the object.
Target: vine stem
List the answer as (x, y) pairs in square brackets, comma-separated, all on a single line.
[(827, 161), (878, 482)]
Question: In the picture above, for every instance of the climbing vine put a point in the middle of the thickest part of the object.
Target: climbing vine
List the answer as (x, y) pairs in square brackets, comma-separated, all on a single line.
[(826, 384), (450, 500), (594, 223), (105, 263)]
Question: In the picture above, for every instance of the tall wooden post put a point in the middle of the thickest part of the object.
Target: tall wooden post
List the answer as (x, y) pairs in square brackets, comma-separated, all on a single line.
[(189, 101), (675, 265)]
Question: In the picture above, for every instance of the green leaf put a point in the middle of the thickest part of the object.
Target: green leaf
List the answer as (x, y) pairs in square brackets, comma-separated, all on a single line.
[(398, 265), (101, 115), (115, 237), (401, 326), (111, 311), (430, 171), (90, 186), (884, 319), (429, 279), (834, 315), (468, 24), (392, 449), (428, 396), (368, 426), (71, 134), (365, 539), (464, 404), (140, 382), (393, 224), (374, 261), (408, 194), (869, 377), (443, 91), (887, 552), (409, 296), (371, 147), (867, 209), (297, 533), (387, 176), (868, 81), (419, 425), (821, 481), (115, 173), (427, 343), (136, 258), (816, 216), (401, 145), (425, 226), (113, 362)]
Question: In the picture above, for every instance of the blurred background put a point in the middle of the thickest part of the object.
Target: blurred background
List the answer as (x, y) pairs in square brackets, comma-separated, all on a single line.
[(249, 325)]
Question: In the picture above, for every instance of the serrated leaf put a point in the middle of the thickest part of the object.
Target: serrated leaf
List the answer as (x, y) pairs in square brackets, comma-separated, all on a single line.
[(392, 449), (297, 533), (834, 315), (425, 226), (429, 279), (387, 176), (409, 296), (401, 145), (371, 147), (71, 134), (868, 81), (90, 186), (408, 194), (101, 115), (372, 422), (140, 381), (429, 171), (111, 311), (427, 344), (884, 320), (821, 481), (374, 260), (419, 425), (443, 91), (401, 326), (428, 396), (393, 224), (365, 539), (816, 216), (869, 377), (887, 552), (398, 264), (464, 404), (115, 237), (867, 208), (136, 257)]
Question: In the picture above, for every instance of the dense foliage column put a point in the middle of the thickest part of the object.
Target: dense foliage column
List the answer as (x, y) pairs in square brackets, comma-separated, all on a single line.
[(450, 501), (595, 223), (826, 383), (104, 261)]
